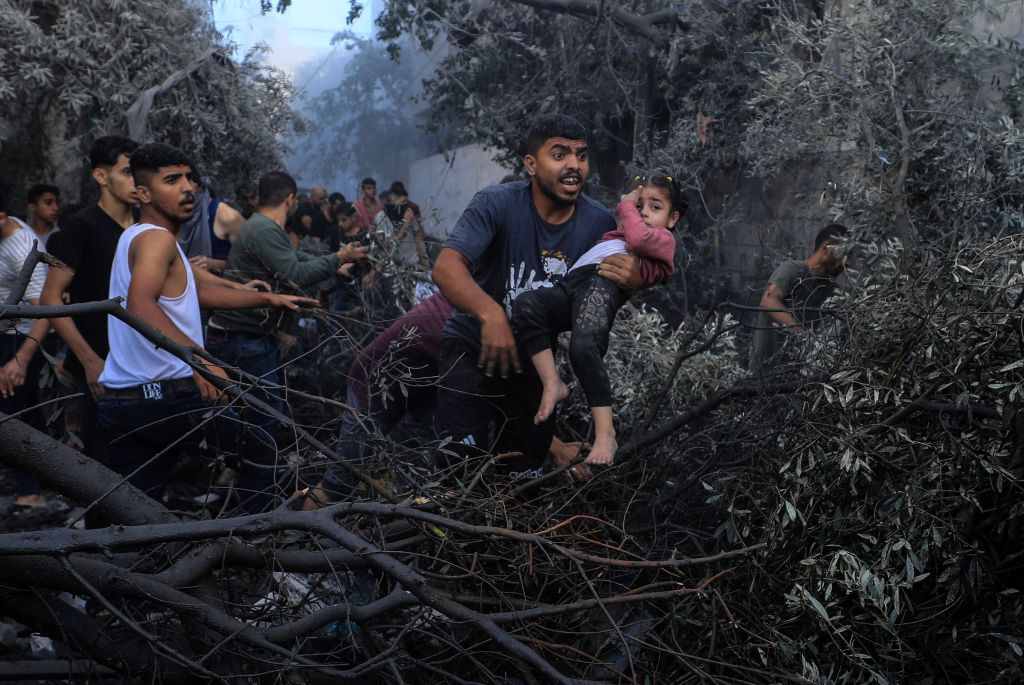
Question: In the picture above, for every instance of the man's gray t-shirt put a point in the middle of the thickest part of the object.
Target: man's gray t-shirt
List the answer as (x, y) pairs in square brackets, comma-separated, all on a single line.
[(803, 294), (512, 250)]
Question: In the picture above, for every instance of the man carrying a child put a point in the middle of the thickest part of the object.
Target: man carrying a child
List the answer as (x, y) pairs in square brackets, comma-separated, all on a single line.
[(513, 238)]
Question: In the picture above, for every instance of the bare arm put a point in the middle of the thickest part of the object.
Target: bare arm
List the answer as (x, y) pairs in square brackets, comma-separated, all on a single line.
[(151, 257), (217, 265), (226, 226), (497, 344), (58, 280), (214, 296), (12, 374), (773, 299), (206, 278), (228, 222)]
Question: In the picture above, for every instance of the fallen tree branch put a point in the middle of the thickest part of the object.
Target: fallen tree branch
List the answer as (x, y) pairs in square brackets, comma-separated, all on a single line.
[(742, 389), (63, 541), (113, 307)]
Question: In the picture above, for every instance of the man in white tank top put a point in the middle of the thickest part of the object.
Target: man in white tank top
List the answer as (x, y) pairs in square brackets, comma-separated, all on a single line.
[(153, 400)]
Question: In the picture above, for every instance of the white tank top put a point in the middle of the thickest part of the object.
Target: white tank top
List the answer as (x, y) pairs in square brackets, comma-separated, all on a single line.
[(133, 360)]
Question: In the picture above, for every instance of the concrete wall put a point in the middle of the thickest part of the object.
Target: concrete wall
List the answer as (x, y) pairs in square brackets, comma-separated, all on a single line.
[(444, 184)]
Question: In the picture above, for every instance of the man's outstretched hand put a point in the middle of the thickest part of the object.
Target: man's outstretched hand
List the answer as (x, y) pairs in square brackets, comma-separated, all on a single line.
[(292, 302), (497, 345)]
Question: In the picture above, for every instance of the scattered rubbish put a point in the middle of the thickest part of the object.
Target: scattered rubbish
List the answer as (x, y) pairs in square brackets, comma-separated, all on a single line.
[(41, 646)]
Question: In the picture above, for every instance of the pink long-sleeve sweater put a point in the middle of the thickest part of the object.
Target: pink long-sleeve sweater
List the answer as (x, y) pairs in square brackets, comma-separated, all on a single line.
[(656, 247)]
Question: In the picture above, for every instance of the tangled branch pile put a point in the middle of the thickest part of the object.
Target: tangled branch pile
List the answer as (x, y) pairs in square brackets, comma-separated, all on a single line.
[(887, 495), (852, 521)]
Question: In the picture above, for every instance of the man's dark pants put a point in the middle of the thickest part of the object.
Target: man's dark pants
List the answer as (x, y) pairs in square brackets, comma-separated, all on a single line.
[(146, 428), (87, 410), (258, 356), (469, 402)]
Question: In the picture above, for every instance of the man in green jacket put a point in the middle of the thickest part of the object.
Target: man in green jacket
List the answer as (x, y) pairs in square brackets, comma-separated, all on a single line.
[(246, 340)]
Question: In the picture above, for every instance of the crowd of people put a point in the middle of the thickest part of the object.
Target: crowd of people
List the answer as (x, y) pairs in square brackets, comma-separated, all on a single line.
[(220, 283)]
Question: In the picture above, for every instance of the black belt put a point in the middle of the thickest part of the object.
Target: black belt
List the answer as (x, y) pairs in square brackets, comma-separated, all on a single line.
[(223, 335), (157, 390)]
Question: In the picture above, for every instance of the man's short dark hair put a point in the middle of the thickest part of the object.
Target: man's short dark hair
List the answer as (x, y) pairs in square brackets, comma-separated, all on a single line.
[(275, 187), (553, 126), (3, 203), (335, 197), (37, 190), (345, 209), (106, 150), (151, 157), (368, 182), (829, 234), (398, 188)]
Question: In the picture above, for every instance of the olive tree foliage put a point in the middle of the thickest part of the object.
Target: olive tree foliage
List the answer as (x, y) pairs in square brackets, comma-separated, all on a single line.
[(887, 488), (919, 100), (70, 72), (608, 65)]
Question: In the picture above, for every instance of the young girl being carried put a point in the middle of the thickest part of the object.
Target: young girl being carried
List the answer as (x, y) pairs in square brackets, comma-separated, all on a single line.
[(586, 304)]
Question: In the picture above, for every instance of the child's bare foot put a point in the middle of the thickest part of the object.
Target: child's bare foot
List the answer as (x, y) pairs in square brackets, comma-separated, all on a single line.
[(553, 394), (603, 451)]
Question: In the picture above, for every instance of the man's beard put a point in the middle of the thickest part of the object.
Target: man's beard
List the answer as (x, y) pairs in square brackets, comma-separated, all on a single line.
[(551, 192), (176, 215)]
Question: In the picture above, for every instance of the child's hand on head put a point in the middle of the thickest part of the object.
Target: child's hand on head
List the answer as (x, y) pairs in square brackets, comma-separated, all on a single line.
[(633, 195)]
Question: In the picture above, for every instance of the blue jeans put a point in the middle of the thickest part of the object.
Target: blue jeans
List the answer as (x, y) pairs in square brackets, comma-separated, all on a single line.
[(258, 478), (361, 427), (338, 482), (139, 434)]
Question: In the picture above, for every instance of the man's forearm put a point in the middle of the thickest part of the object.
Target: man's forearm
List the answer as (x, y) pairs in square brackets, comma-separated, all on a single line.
[(298, 268), (784, 319), (219, 297), (72, 337), (206, 278), (457, 285), (777, 312), (28, 349), (217, 265)]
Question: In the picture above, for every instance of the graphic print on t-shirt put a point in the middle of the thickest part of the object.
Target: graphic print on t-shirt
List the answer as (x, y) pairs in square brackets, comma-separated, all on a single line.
[(554, 264)]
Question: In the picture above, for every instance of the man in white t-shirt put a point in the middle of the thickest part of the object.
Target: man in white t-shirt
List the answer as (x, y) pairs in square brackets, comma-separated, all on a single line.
[(19, 338), (43, 208), (153, 400)]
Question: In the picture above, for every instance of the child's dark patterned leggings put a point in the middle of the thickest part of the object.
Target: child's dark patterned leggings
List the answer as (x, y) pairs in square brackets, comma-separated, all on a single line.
[(584, 303)]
